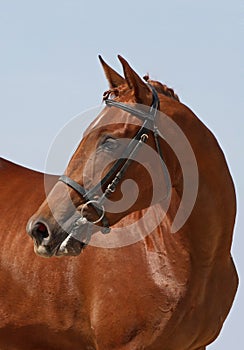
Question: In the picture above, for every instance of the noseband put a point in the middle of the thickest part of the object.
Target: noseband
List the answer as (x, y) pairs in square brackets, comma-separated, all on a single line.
[(119, 168)]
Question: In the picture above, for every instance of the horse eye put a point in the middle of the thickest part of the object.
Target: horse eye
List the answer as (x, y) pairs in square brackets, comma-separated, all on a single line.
[(110, 144)]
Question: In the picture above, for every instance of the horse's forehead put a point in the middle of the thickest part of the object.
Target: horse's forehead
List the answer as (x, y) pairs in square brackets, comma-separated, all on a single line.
[(110, 119)]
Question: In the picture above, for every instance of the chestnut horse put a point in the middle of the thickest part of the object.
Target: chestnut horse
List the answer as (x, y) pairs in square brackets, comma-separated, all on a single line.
[(168, 290)]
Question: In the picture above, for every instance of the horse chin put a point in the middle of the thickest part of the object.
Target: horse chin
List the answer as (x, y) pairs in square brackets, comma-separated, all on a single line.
[(72, 248)]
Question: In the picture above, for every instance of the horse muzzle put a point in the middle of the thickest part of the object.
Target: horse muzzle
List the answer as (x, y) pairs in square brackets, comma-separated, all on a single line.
[(57, 240)]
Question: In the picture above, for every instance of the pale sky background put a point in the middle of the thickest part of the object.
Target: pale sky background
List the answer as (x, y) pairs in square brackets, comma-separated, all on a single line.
[(49, 72)]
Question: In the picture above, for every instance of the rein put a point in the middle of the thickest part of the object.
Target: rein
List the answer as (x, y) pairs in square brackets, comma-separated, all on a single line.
[(119, 168)]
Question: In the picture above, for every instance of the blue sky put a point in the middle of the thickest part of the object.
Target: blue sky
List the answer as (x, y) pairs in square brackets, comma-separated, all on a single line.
[(49, 72)]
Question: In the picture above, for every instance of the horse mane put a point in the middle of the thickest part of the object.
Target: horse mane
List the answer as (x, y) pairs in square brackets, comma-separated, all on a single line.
[(161, 88)]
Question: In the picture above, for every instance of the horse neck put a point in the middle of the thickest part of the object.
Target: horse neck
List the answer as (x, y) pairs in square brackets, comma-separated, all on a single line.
[(210, 224)]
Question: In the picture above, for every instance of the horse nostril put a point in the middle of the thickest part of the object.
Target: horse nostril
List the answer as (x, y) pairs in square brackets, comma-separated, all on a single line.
[(39, 231), (42, 229)]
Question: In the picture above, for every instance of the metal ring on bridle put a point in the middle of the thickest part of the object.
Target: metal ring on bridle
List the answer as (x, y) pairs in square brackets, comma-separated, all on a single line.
[(98, 206)]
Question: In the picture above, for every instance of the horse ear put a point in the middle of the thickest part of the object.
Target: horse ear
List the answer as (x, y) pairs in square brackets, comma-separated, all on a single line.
[(141, 90), (112, 76)]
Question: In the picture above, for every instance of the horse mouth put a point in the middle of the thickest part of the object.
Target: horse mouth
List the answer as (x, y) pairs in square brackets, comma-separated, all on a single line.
[(72, 248), (45, 251)]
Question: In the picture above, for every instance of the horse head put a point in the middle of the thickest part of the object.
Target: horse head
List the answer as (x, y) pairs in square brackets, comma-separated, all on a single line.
[(122, 165)]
